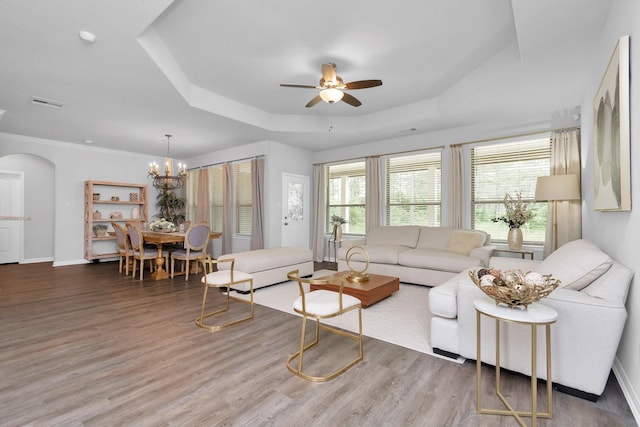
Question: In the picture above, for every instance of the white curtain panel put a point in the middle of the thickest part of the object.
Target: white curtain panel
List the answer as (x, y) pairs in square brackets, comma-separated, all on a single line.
[(319, 219), (565, 160), (372, 204), (203, 205), (456, 188), (257, 197), (227, 210)]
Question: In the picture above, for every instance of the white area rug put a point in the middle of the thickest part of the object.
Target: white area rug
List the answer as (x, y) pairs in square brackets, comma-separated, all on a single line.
[(402, 319)]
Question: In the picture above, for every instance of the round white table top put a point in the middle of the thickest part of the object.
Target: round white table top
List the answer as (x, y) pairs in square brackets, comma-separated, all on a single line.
[(535, 313)]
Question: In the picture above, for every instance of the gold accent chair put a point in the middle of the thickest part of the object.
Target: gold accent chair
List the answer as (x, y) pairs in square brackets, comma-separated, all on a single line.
[(124, 250), (196, 241), (223, 279), (322, 304)]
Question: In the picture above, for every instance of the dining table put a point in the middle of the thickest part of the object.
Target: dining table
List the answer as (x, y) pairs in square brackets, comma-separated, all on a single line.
[(160, 238)]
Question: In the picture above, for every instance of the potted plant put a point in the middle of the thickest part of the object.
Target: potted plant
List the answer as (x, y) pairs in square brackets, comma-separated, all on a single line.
[(99, 230), (518, 213), (170, 206)]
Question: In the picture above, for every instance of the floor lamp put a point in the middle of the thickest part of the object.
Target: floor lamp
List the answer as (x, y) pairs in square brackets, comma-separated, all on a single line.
[(555, 188)]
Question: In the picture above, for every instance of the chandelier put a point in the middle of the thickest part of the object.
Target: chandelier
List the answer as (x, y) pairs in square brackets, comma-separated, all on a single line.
[(168, 181)]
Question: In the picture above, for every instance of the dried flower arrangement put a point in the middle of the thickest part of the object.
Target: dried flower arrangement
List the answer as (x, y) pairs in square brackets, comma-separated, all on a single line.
[(518, 211)]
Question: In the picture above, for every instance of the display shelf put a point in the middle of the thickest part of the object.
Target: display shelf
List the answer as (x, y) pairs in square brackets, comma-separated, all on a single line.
[(130, 196)]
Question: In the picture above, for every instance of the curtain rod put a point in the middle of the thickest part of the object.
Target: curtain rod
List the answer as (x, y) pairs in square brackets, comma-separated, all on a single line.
[(459, 144), (231, 161), (438, 147), (514, 136)]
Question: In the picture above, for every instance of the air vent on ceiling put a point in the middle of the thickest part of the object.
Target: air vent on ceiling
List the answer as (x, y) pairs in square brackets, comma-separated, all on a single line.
[(44, 102)]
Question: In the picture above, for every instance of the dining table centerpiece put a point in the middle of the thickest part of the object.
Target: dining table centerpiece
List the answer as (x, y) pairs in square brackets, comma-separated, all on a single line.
[(517, 213), (162, 225)]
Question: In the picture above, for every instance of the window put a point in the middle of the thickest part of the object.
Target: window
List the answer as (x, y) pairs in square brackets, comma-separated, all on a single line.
[(508, 167), (412, 189), (242, 197), (346, 196)]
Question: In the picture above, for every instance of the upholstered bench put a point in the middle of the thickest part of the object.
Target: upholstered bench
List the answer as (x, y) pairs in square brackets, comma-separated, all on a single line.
[(270, 266)]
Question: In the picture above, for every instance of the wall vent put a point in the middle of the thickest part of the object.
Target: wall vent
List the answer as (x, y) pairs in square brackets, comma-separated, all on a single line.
[(44, 102)]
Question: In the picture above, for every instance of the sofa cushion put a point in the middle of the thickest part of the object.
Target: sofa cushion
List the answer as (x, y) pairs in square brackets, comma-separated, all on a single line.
[(402, 235), (434, 237), (576, 264), (612, 285), (381, 254), (462, 241), (436, 259)]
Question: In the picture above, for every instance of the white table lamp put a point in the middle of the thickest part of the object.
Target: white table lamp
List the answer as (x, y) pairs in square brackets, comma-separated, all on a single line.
[(555, 188)]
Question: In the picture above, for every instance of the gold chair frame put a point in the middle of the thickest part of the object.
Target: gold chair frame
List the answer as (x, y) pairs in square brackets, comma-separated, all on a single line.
[(294, 275), (209, 266)]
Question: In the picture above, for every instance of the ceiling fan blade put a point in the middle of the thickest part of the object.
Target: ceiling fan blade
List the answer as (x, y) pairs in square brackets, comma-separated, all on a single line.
[(300, 86), (363, 84), (314, 101), (329, 73), (351, 100)]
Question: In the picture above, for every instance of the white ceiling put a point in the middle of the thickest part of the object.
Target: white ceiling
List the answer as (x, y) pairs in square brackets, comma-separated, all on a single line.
[(209, 72)]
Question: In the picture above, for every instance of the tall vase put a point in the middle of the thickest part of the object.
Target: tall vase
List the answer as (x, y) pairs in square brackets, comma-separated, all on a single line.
[(338, 233), (514, 239)]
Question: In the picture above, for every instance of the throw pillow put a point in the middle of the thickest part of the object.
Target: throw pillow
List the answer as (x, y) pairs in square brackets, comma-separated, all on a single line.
[(576, 264), (462, 241)]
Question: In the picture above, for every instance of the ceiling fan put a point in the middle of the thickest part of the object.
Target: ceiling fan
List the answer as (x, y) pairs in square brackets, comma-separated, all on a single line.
[(333, 87)]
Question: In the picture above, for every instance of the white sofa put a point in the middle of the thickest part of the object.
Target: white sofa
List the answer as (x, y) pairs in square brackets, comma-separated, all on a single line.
[(590, 302), (419, 255)]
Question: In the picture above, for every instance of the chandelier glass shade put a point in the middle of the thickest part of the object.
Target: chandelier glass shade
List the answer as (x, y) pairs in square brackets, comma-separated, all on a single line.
[(167, 181)]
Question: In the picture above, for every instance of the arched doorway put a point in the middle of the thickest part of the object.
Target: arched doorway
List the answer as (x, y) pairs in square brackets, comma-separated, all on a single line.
[(36, 219)]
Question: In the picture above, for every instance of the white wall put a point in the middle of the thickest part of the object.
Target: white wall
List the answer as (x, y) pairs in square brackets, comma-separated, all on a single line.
[(617, 232), (73, 164)]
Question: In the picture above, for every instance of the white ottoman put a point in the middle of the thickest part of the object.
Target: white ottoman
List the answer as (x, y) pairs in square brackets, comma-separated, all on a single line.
[(270, 266)]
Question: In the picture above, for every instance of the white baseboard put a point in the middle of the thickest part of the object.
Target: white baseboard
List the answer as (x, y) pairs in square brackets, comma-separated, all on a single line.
[(627, 389), (35, 260), (70, 262)]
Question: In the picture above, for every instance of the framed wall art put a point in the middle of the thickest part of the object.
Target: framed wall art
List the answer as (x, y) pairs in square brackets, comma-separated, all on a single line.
[(611, 136)]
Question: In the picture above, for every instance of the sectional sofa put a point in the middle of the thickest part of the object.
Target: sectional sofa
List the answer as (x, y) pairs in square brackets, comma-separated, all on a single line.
[(419, 255), (590, 302)]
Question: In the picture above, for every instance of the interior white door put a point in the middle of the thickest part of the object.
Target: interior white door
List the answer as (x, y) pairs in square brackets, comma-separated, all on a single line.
[(295, 211), (11, 219)]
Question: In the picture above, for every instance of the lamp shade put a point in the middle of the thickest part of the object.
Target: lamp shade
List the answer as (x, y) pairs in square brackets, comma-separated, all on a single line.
[(331, 95), (557, 187)]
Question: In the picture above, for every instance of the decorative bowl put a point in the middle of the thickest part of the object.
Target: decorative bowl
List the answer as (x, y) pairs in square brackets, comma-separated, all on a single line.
[(514, 288)]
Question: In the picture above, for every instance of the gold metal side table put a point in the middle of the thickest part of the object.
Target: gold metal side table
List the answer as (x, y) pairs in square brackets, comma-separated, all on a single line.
[(535, 315), (336, 245), (523, 254)]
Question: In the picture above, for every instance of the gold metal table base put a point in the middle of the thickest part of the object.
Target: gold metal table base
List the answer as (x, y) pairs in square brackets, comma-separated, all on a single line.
[(533, 413)]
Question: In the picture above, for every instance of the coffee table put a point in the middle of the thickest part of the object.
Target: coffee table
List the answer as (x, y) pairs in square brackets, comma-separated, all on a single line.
[(375, 289)]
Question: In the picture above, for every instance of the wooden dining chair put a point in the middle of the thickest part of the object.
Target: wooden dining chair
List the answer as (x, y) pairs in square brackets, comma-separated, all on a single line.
[(140, 251), (196, 241), (124, 247)]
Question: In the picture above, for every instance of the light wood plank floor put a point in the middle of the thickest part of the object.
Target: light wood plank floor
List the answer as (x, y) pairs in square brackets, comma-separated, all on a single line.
[(83, 345)]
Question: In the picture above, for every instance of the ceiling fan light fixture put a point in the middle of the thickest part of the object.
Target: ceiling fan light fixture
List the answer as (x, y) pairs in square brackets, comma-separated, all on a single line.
[(331, 95)]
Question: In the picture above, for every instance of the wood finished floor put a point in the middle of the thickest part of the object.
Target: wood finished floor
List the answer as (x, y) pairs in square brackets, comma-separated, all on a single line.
[(83, 345)]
